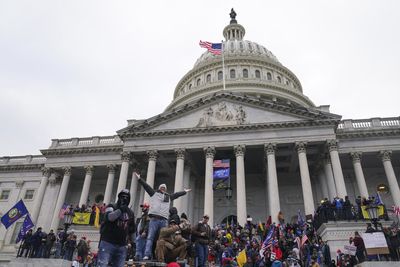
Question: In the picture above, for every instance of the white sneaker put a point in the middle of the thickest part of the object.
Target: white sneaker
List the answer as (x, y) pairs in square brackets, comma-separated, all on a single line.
[(145, 258)]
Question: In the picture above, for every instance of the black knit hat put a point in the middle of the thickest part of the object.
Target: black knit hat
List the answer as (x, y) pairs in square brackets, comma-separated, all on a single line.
[(174, 218)]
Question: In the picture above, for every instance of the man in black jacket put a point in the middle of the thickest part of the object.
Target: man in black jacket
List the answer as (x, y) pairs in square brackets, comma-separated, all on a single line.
[(117, 228)]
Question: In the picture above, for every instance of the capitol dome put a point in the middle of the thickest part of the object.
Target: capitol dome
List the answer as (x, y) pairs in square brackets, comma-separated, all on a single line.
[(249, 68)]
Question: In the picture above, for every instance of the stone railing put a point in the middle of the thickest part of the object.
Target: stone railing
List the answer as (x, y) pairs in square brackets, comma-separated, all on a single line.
[(29, 159), (86, 141), (366, 124)]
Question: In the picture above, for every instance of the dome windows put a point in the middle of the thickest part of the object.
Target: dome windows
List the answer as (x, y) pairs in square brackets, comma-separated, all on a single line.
[(208, 78), (269, 76), (279, 79), (232, 74), (190, 86), (198, 82), (219, 75), (258, 74), (245, 73)]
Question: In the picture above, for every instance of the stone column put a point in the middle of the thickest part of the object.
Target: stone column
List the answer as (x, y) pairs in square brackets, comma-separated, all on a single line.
[(274, 205), (305, 179), (86, 185), (133, 190), (186, 184), (329, 178), (208, 185), (61, 198), (323, 184), (393, 185), (110, 183), (123, 175), (337, 168), (40, 194), (240, 185), (180, 164), (151, 171), (362, 186)]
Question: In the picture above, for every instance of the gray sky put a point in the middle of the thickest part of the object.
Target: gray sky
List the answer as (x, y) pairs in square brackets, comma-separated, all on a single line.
[(82, 68)]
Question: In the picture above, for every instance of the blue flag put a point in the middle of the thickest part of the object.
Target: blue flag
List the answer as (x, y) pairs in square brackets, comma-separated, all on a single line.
[(28, 224), (14, 214), (378, 200)]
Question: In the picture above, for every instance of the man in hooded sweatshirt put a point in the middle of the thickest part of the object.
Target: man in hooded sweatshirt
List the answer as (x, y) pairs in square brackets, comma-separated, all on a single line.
[(118, 227), (159, 211)]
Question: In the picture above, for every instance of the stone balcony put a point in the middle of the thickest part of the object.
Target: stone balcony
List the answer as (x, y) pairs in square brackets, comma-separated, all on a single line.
[(369, 124), (86, 142)]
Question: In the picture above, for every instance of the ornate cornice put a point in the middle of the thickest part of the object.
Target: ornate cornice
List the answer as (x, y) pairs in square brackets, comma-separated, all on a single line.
[(81, 150), (332, 145), (269, 149), (301, 147), (152, 154), (311, 116), (180, 153), (385, 155), (356, 156), (30, 167), (209, 152), (367, 133), (239, 150)]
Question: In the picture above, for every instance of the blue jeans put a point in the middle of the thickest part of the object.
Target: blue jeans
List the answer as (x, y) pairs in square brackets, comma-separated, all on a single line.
[(140, 246), (154, 227), (111, 253), (201, 254)]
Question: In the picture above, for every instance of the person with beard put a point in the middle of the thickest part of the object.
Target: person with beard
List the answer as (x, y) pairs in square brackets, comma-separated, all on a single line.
[(159, 210), (117, 228)]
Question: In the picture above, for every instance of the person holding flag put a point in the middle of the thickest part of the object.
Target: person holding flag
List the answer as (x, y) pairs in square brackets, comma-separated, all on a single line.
[(26, 242)]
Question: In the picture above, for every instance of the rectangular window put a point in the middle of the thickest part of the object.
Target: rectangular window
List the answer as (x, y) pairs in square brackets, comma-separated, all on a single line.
[(5, 194), (29, 194)]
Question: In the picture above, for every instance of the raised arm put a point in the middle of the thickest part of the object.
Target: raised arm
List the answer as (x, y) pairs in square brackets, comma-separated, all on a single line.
[(179, 194), (146, 187)]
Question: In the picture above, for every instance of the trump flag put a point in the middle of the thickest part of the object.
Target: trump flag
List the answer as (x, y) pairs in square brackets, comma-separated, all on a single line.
[(14, 214)]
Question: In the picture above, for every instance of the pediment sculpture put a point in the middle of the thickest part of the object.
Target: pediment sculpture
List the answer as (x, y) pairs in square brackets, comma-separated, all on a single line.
[(222, 114)]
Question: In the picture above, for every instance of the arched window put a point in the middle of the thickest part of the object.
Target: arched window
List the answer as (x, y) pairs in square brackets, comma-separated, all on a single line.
[(219, 75), (269, 76), (258, 74), (287, 82), (245, 73), (198, 82), (208, 78), (279, 79), (232, 74), (190, 86)]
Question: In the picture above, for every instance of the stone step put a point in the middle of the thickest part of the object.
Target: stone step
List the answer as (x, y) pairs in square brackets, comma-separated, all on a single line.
[(24, 262)]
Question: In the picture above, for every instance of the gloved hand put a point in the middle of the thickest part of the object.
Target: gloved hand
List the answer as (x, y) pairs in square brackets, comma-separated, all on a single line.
[(124, 208)]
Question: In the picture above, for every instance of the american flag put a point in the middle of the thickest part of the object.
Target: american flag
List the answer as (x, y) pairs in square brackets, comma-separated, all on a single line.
[(214, 48), (268, 241), (304, 238), (63, 209), (221, 163)]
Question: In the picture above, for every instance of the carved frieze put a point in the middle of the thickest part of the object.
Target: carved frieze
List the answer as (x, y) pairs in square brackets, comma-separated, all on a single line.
[(223, 114)]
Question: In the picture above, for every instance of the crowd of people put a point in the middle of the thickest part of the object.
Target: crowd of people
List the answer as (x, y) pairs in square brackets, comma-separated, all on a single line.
[(161, 234)]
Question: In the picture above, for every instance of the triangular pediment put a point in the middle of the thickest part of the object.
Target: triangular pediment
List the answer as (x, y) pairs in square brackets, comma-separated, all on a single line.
[(227, 110)]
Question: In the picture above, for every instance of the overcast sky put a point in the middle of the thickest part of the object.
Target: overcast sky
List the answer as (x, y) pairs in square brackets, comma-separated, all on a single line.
[(82, 68)]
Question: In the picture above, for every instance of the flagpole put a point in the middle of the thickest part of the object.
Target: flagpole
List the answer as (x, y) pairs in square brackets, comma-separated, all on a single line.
[(223, 65)]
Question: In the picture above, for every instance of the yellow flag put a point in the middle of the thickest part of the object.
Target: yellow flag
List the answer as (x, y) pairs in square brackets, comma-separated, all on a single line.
[(381, 211), (241, 258), (97, 218), (81, 218)]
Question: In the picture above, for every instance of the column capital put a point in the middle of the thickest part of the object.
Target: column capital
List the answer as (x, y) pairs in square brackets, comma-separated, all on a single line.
[(111, 168), (332, 145), (356, 156), (19, 183), (269, 148), (152, 154), (126, 156), (180, 153), (209, 152), (385, 155), (89, 169), (45, 171), (301, 147), (67, 170), (53, 178), (239, 150)]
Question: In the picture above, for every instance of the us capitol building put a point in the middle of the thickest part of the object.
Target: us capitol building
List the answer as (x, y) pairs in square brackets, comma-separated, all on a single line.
[(286, 153)]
